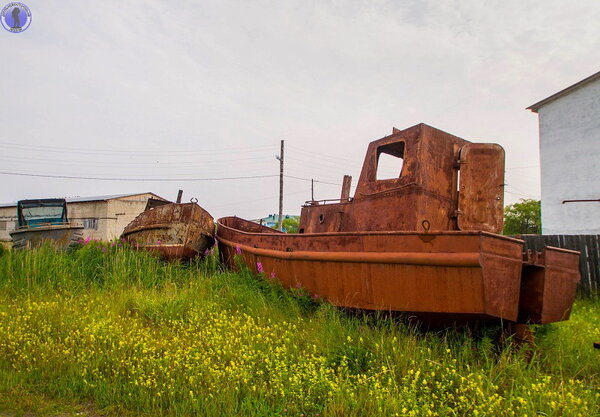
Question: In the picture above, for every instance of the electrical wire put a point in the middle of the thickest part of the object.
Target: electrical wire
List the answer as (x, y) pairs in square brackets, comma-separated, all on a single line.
[(524, 167), (310, 179), (42, 148), (321, 155), (136, 179), (77, 177), (258, 199), (521, 195), (154, 164), (305, 162)]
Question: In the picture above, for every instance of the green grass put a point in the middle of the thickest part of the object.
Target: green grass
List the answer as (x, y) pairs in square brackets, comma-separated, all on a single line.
[(129, 334)]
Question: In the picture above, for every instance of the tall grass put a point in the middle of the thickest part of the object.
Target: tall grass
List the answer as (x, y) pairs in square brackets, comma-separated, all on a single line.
[(123, 329)]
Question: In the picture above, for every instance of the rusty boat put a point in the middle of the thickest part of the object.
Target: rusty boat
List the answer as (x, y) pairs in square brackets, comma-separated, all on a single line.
[(425, 242), (176, 231), (44, 220)]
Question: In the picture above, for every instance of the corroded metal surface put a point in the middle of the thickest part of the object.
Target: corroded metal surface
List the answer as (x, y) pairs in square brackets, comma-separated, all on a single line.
[(548, 285), (464, 273), (481, 187), (175, 231), (426, 189), (424, 242), (62, 236)]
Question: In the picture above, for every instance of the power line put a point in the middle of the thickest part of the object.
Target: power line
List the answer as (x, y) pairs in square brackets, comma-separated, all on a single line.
[(135, 179), (134, 152), (77, 177), (321, 155), (524, 167), (256, 200), (521, 195), (155, 164), (338, 167), (310, 179), (338, 171)]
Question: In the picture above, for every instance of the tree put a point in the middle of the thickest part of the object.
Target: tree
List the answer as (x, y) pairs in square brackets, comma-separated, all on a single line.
[(290, 224), (524, 217)]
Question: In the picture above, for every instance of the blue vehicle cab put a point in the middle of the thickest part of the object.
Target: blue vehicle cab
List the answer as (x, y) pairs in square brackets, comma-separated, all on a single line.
[(42, 212)]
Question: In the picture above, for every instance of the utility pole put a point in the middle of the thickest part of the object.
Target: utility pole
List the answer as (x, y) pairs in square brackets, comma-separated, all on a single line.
[(312, 189), (280, 220)]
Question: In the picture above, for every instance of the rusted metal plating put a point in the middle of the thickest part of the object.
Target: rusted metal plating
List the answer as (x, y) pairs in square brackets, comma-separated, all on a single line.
[(425, 242), (548, 285), (427, 188), (175, 231)]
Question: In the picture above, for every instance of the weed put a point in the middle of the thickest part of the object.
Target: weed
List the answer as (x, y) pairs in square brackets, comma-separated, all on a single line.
[(127, 331)]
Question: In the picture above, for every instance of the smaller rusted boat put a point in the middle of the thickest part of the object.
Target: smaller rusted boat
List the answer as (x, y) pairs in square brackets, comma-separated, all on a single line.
[(44, 220), (175, 231)]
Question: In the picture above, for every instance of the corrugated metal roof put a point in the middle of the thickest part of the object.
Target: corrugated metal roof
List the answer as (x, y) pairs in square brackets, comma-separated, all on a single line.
[(534, 107), (93, 198)]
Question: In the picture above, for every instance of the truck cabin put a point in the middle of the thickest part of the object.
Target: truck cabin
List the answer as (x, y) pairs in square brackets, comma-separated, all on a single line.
[(441, 182), (41, 212)]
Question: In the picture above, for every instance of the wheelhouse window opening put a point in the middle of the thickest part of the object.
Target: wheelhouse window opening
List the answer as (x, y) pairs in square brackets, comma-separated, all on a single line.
[(390, 160)]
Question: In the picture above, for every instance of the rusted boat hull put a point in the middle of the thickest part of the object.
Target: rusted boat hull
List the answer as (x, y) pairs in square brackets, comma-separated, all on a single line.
[(548, 285), (422, 239), (174, 231), (454, 275), (62, 236)]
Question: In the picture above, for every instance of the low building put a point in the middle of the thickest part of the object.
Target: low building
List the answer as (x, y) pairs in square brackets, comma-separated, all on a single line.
[(272, 220), (103, 217), (569, 123)]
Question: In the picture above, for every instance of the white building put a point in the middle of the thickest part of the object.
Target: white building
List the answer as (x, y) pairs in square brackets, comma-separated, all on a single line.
[(569, 123)]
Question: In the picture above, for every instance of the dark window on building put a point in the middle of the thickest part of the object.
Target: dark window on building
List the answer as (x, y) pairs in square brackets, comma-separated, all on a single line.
[(90, 224)]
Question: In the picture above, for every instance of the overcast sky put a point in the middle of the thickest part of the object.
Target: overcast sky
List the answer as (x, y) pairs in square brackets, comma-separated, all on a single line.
[(207, 89)]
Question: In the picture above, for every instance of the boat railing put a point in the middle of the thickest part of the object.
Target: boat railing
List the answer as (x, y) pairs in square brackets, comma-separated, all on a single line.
[(309, 203)]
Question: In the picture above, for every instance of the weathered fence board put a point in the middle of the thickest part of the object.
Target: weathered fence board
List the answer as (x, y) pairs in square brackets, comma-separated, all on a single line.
[(589, 262)]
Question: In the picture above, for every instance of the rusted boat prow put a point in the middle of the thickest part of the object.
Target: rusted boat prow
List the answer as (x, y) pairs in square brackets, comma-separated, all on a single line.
[(176, 231), (444, 183)]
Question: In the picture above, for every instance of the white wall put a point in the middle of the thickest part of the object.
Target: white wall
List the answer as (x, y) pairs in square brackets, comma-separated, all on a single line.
[(77, 212), (8, 216), (570, 161), (124, 210)]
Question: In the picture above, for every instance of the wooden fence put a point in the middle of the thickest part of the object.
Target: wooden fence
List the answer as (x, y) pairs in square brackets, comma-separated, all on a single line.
[(589, 262)]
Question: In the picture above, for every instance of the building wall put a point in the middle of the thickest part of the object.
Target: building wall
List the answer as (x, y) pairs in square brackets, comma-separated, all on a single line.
[(111, 215), (570, 161), (123, 211), (94, 212), (8, 216)]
